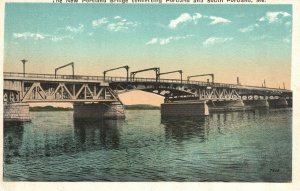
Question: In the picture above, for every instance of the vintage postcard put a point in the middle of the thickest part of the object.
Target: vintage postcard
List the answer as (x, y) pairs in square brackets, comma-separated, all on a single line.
[(150, 94)]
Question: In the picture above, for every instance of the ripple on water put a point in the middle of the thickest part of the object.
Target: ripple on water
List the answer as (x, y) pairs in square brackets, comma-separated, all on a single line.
[(238, 146)]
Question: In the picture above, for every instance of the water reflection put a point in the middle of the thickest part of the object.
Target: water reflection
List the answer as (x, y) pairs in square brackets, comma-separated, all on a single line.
[(220, 147), (13, 138), (21, 140), (182, 128), (91, 134)]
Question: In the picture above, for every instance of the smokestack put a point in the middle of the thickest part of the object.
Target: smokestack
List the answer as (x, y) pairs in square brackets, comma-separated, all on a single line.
[(237, 80)]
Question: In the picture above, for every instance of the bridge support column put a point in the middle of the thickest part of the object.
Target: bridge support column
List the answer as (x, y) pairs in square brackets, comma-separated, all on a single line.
[(278, 103), (196, 108), (290, 102), (16, 112), (260, 103), (226, 105), (113, 110)]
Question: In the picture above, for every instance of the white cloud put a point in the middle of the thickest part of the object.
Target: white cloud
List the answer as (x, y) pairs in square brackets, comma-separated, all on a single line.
[(164, 41), (196, 17), (152, 41), (75, 30), (67, 32), (185, 17), (38, 36), (59, 38), (116, 27), (273, 17), (215, 40), (99, 22), (27, 35), (249, 28), (120, 25), (217, 20), (181, 19)]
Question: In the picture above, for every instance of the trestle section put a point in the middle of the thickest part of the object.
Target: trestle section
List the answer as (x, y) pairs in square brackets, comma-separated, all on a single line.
[(259, 101), (219, 99), (218, 94)]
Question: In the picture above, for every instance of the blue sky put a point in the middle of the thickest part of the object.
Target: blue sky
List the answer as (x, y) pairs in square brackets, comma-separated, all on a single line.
[(249, 41)]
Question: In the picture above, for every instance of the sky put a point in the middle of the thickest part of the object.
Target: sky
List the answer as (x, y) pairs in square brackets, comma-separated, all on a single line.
[(252, 42)]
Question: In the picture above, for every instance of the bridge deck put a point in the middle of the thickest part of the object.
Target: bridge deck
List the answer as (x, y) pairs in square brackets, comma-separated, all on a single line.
[(109, 79)]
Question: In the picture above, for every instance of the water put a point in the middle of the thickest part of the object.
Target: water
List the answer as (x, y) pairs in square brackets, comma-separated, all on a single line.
[(238, 146)]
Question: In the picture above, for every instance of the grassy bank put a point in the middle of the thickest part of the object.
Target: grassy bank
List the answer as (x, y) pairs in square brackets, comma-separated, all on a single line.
[(141, 107), (49, 108)]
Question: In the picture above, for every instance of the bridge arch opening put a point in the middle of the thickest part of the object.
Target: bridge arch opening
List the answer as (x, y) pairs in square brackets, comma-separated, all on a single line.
[(139, 97)]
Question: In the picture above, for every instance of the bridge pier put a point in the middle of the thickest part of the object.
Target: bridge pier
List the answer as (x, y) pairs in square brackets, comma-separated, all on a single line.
[(18, 112), (290, 102), (260, 103), (278, 103), (112, 110), (192, 108)]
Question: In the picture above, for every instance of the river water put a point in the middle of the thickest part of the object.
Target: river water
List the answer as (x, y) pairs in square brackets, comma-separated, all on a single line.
[(247, 146)]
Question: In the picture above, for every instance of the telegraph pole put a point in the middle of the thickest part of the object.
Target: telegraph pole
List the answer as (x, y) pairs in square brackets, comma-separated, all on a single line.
[(24, 61)]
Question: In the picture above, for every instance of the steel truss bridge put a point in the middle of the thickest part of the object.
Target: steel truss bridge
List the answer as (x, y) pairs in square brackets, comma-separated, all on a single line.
[(31, 87)]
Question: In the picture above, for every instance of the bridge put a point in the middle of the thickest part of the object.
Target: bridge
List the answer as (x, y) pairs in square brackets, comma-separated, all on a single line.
[(97, 96)]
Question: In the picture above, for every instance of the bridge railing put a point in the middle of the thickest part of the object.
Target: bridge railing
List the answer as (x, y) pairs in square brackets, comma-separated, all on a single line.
[(113, 79), (52, 76), (124, 79), (173, 81), (260, 87)]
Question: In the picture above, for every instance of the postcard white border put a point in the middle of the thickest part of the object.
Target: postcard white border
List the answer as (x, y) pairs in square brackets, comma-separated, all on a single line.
[(175, 186)]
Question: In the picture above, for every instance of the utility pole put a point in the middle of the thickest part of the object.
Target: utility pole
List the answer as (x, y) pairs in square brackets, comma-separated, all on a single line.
[(24, 61)]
